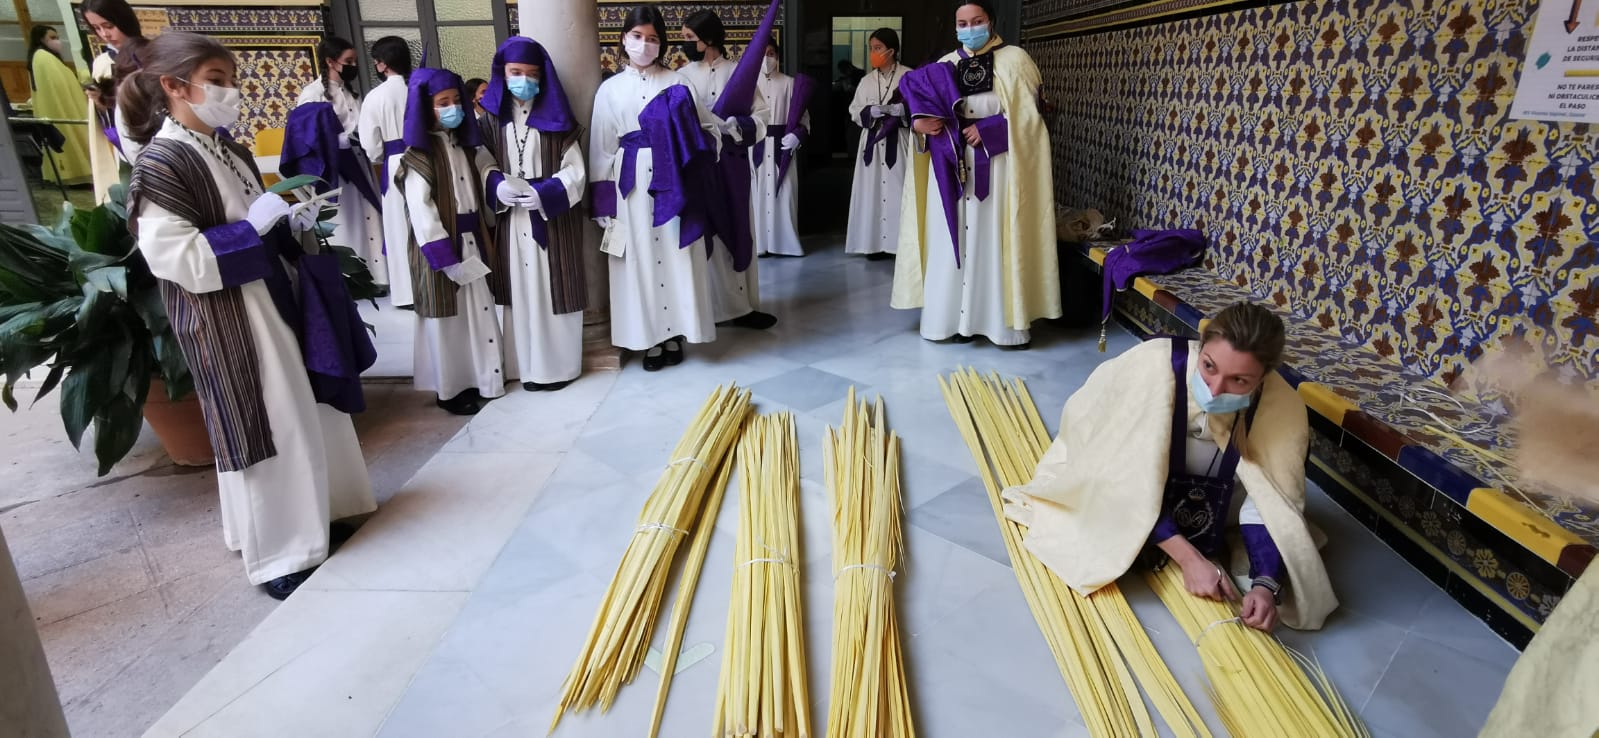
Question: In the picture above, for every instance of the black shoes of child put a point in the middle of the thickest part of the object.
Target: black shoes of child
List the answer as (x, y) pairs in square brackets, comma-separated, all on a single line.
[(879, 256), (466, 403), (546, 387), (669, 353), (754, 320), (279, 589)]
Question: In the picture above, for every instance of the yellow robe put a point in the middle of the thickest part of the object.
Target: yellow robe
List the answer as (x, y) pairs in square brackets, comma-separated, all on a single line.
[(59, 95), (1553, 691), (1027, 236), (1097, 492)]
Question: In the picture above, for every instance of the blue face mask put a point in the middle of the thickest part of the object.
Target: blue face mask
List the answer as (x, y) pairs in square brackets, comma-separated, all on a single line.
[(972, 37), (1215, 404), (451, 116), (522, 88)]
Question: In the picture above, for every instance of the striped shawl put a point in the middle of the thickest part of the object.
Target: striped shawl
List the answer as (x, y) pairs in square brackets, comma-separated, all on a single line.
[(568, 285)]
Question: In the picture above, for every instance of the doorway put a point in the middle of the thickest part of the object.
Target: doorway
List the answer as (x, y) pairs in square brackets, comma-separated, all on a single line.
[(453, 33)]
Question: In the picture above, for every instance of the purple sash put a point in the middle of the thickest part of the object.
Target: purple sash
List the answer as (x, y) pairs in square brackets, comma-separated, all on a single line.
[(390, 149), (885, 128)]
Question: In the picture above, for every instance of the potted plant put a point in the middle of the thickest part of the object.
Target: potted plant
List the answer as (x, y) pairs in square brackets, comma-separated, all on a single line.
[(79, 297)]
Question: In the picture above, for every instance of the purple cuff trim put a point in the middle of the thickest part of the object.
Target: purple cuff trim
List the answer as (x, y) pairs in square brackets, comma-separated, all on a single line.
[(995, 133), (1264, 558), (866, 117), (552, 195), (491, 191), (241, 255), (602, 199), (1164, 528), (440, 254)]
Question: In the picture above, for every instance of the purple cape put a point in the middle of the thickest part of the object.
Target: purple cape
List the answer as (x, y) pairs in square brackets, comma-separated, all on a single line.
[(311, 146), (798, 101), (931, 92), (419, 119), (1150, 252), (738, 97), (681, 154), (551, 113)]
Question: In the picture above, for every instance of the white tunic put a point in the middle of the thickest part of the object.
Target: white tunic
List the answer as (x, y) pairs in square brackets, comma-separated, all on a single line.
[(969, 300), (275, 512), (382, 119), (776, 216), (359, 224), (658, 290), (875, 196), (733, 293), (463, 351), (547, 348)]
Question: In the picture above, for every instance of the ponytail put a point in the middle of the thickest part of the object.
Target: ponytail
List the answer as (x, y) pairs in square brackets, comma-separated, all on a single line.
[(140, 97), (143, 105)]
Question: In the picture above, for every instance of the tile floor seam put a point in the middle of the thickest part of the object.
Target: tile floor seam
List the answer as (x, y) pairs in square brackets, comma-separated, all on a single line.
[(1365, 703), (149, 566)]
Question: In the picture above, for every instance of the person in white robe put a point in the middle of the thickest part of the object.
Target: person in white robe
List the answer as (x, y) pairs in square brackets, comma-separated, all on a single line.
[(735, 295), (117, 26), (659, 276), (359, 223), (286, 464), (883, 155), (981, 259), (381, 128), (459, 354), (774, 189), (538, 261)]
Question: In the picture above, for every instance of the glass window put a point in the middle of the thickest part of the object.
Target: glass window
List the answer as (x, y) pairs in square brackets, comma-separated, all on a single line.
[(468, 50)]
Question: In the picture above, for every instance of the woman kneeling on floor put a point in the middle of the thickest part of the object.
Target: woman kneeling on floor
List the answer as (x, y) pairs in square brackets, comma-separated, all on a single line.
[(1149, 454)]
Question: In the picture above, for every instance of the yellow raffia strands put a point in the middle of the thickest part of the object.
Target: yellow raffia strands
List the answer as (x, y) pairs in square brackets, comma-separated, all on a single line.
[(1261, 688), (869, 698), (617, 642), (1102, 650), (763, 689)]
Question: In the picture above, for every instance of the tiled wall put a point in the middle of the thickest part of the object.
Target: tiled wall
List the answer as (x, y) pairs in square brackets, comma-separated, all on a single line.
[(274, 47), (1350, 160)]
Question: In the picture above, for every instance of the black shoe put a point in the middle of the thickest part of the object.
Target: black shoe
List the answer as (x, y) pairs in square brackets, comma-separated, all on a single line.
[(411, 308), (879, 256), (545, 387), (465, 403), (654, 363), (957, 338), (280, 588), (338, 534), (674, 351), (754, 319), (1017, 347), (383, 291)]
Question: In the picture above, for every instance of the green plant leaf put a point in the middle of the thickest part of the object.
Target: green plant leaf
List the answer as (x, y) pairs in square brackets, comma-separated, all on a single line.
[(303, 180), (83, 394), (116, 429), (112, 279), (50, 381)]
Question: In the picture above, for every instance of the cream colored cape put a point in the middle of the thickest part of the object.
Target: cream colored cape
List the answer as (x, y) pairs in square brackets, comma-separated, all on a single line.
[(1097, 492), (103, 158), (1553, 691), (1027, 234)]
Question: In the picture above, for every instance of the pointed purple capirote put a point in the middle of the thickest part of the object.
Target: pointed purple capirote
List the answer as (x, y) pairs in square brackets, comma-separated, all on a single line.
[(551, 112), (419, 118), (738, 98)]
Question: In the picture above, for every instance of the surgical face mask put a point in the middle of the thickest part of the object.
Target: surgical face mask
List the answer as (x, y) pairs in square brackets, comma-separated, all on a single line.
[(221, 106), (522, 88), (769, 65), (53, 44), (642, 53), (972, 37), (880, 59), (1215, 404), (451, 116), (693, 52), (348, 73)]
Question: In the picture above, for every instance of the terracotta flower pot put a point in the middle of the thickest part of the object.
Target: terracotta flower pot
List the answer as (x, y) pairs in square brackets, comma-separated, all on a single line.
[(180, 426)]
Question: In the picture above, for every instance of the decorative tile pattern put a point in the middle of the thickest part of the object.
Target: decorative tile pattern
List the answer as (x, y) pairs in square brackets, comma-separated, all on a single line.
[(272, 69), (1354, 165), (246, 20), (1048, 18), (741, 20)]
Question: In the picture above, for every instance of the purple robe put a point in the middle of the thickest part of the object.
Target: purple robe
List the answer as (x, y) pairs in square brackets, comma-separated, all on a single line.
[(311, 146)]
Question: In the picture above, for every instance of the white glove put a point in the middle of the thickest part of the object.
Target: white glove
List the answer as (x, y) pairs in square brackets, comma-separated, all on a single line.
[(790, 142), (266, 211), (467, 271), (512, 189), (731, 128), (531, 201), (604, 221), (303, 216), (344, 140), (876, 111), (896, 110)]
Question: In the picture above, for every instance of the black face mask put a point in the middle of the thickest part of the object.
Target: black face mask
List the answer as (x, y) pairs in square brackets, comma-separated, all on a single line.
[(692, 51), (348, 73)]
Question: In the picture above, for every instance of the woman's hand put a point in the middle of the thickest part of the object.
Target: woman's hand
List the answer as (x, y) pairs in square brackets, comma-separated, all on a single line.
[(973, 137), (929, 126), (1203, 578), (1260, 610)]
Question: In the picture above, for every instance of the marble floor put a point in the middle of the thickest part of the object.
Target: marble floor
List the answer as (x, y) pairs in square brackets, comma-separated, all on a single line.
[(458, 609)]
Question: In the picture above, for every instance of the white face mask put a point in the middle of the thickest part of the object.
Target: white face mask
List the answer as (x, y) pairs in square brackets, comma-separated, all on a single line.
[(769, 65), (53, 44), (221, 106), (642, 53)]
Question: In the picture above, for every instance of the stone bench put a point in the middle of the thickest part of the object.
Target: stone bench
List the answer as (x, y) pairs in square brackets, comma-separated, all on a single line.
[(1376, 451)]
